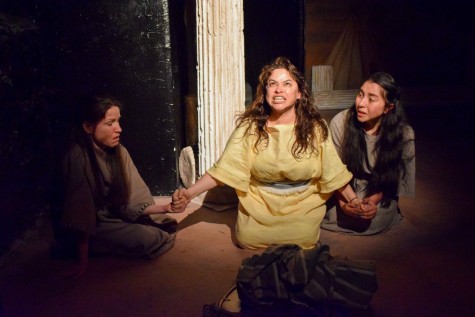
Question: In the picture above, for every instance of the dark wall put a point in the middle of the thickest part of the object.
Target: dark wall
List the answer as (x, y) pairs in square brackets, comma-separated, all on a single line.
[(26, 141), (272, 28), (53, 51), (422, 43), (123, 47)]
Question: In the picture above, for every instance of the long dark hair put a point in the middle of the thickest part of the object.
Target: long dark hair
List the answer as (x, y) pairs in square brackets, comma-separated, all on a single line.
[(92, 109), (388, 149), (307, 114)]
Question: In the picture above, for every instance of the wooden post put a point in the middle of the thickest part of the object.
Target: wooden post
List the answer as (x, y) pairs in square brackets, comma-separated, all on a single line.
[(322, 78)]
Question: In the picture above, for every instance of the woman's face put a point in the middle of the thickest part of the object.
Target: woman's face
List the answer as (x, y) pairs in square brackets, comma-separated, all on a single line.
[(106, 132), (282, 92), (371, 105)]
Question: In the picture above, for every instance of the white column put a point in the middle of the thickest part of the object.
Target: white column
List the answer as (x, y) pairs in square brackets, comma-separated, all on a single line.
[(220, 68)]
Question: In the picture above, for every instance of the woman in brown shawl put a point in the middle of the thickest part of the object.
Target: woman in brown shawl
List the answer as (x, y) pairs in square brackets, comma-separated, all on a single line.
[(105, 204)]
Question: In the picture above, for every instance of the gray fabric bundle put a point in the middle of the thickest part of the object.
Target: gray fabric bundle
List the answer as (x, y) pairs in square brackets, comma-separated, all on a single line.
[(308, 277)]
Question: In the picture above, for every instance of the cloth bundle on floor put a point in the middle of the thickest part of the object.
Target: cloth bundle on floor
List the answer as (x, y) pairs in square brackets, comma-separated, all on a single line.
[(308, 277)]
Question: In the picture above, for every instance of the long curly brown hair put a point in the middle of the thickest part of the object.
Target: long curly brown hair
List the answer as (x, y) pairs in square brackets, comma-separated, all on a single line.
[(308, 122)]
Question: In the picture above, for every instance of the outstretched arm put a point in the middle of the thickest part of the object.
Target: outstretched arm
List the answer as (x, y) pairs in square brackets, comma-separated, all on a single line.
[(161, 209)]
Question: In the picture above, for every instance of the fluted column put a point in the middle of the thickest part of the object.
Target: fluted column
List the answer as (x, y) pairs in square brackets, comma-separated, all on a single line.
[(221, 82)]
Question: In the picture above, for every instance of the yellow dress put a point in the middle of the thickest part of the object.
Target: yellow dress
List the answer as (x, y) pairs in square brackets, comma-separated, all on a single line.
[(281, 198)]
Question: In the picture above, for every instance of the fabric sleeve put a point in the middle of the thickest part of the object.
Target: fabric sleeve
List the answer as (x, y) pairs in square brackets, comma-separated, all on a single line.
[(334, 174), (78, 210), (233, 168), (407, 185), (140, 196)]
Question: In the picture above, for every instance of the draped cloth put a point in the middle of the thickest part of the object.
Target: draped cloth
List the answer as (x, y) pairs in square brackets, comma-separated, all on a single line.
[(353, 57), (307, 277), (125, 231)]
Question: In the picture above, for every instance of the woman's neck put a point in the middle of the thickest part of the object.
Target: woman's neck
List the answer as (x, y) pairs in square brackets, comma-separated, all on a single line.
[(372, 128), (284, 118)]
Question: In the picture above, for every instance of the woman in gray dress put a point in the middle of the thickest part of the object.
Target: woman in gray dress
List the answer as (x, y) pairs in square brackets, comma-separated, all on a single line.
[(105, 204), (377, 145)]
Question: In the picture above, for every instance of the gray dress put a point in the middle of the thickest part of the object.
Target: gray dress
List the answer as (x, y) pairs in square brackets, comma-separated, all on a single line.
[(111, 233), (387, 216)]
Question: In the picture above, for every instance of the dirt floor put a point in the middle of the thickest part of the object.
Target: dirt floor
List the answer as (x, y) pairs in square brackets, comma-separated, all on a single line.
[(424, 265)]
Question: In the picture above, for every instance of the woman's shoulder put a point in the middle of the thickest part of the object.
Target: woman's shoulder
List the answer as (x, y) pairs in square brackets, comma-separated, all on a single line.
[(340, 117), (244, 124), (122, 149), (124, 154), (244, 128), (408, 132), (75, 151), (337, 123), (75, 157)]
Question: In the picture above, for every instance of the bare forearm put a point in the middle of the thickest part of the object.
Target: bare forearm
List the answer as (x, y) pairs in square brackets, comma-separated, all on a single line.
[(205, 183), (346, 193), (156, 209), (182, 197)]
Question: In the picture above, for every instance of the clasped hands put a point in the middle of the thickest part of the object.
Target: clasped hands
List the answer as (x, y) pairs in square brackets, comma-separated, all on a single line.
[(180, 200), (363, 209)]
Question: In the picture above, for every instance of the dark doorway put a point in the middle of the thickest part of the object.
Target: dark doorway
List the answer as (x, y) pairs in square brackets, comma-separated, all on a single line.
[(121, 48), (52, 52), (272, 28)]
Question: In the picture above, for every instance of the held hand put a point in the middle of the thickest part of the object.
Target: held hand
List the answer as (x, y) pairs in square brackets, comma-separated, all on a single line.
[(369, 208), (168, 208), (180, 200), (353, 208)]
